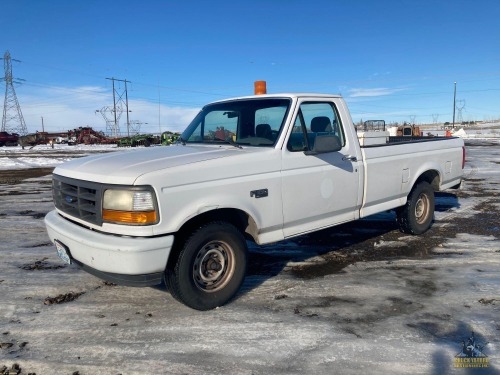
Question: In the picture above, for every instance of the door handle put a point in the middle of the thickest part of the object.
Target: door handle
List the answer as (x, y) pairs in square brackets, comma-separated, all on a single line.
[(350, 158), (259, 193)]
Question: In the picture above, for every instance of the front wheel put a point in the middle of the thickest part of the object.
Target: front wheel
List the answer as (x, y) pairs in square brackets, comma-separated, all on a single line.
[(210, 267), (416, 216)]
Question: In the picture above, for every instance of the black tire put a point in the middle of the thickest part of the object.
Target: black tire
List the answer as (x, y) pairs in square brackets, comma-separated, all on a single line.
[(416, 216), (209, 268)]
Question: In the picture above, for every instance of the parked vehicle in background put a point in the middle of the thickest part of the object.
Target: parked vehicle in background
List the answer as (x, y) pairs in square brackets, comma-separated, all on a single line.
[(61, 140), (34, 139), (261, 168), (139, 140), (7, 139), (168, 138)]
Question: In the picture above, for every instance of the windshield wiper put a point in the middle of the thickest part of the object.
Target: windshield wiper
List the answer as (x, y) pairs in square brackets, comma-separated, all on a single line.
[(230, 141)]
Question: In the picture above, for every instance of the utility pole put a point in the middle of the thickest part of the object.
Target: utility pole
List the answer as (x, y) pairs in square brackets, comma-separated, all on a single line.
[(12, 119), (159, 109), (126, 105), (114, 102), (454, 104)]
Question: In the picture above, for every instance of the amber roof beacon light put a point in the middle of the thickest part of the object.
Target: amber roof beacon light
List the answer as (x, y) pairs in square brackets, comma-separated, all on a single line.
[(260, 87)]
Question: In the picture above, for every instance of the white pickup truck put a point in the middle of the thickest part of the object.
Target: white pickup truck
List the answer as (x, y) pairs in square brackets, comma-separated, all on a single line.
[(261, 168)]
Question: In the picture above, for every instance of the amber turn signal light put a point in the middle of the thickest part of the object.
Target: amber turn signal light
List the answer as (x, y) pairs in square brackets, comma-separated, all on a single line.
[(130, 217)]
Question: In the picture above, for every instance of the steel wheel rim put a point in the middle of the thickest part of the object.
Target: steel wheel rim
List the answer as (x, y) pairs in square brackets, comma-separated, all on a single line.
[(213, 266), (422, 208)]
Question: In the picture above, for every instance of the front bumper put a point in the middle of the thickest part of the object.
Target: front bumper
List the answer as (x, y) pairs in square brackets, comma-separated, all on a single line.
[(134, 261)]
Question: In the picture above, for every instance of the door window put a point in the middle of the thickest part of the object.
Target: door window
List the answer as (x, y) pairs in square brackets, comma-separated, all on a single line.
[(314, 119)]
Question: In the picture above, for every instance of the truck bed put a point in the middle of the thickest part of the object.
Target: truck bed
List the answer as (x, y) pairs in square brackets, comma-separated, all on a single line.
[(396, 165)]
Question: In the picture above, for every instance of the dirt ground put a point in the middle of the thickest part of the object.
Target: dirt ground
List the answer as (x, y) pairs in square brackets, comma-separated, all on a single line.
[(16, 176)]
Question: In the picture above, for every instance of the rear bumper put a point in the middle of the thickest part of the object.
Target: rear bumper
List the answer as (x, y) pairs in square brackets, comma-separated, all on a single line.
[(134, 261)]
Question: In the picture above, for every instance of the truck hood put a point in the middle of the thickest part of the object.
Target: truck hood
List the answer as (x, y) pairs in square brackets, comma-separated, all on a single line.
[(124, 167)]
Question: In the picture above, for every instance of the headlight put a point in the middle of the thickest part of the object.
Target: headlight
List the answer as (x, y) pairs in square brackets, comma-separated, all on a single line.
[(129, 207)]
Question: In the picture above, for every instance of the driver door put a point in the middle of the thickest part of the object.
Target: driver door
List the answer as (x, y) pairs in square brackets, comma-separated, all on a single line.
[(318, 190)]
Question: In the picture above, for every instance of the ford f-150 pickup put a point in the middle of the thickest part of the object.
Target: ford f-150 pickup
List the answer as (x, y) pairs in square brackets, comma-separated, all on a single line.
[(260, 168)]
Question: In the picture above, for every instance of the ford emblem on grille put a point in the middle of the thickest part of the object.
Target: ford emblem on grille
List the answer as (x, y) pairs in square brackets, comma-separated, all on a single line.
[(69, 199)]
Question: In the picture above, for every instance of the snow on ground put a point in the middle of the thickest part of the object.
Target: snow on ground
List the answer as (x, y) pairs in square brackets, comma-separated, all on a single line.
[(43, 156), (302, 309), (481, 132)]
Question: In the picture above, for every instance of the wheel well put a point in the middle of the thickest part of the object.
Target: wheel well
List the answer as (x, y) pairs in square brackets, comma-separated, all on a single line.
[(240, 219), (431, 177)]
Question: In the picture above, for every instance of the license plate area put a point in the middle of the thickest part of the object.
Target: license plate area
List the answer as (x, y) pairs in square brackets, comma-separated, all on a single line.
[(63, 251)]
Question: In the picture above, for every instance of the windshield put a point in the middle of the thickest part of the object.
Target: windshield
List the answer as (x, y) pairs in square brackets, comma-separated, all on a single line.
[(252, 122)]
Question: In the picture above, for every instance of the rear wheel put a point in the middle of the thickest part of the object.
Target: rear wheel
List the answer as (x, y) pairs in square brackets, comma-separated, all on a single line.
[(210, 267), (416, 216)]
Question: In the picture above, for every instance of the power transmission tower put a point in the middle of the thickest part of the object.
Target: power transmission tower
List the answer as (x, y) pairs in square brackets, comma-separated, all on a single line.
[(460, 106), (135, 127), (112, 124), (412, 119), (435, 118), (12, 119), (113, 127)]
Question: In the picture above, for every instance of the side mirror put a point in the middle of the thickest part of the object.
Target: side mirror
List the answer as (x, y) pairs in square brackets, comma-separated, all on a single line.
[(324, 144)]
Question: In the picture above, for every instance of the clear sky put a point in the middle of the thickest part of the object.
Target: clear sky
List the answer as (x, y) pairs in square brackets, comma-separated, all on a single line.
[(395, 59)]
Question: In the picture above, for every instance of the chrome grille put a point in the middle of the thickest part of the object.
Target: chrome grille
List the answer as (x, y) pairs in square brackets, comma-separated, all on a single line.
[(77, 198)]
